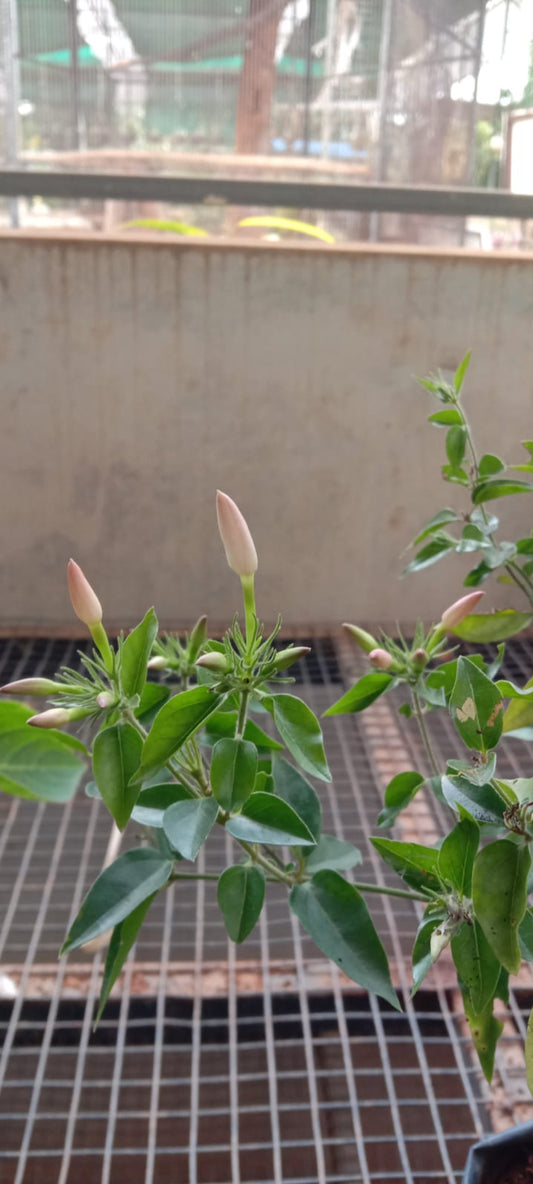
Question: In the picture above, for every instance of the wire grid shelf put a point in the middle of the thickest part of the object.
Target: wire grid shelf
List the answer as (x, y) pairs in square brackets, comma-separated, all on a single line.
[(216, 1064)]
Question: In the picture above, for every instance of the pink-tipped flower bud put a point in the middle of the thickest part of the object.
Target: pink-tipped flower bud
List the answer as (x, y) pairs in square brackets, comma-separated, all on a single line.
[(31, 686), (238, 542), (381, 659), (105, 700), (214, 661), (84, 600), (56, 717), (462, 608), (285, 658), (158, 662), (420, 659), (364, 640)]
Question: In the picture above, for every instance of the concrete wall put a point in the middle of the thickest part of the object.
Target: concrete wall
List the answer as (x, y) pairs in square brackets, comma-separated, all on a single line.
[(137, 376)]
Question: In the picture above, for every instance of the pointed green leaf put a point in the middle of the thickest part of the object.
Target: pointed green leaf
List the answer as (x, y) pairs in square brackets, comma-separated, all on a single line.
[(477, 575), (37, 764), (119, 889), (460, 373), (448, 418), (456, 445), (488, 491), (134, 653), (179, 719), (499, 894), (441, 519), (187, 825), (116, 756), (399, 792), (485, 1031), (490, 465), (153, 695), (240, 895), (266, 818), (455, 474), (223, 723), (155, 799), (233, 772), (290, 785), (417, 865), (301, 732), (483, 803), (482, 628), (423, 958), (456, 856), (476, 707), (123, 938), (335, 915), (519, 713), (360, 696), (436, 549), (332, 853), (478, 968)]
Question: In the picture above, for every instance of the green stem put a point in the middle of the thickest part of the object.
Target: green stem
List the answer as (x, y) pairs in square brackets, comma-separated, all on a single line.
[(173, 766), (424, 733), (243, 712), (390, 891), (257, 857), (101, 642), (248, 592)]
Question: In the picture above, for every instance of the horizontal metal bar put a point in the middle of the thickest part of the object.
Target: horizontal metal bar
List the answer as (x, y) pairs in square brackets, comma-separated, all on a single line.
[(404, 199)]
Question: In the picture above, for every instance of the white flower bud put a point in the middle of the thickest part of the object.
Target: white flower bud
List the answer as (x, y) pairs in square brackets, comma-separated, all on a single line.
[(462, 608), (158, 662), (84, 600), (234, 532), (381, 659), (214, 661), (56, 717), (31, 686)]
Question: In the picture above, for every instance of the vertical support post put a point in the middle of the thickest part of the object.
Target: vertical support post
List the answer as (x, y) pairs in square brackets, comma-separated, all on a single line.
[(329, 62), (308, 94), (10, 55), (74, 74), (472, 120), (382, 97)]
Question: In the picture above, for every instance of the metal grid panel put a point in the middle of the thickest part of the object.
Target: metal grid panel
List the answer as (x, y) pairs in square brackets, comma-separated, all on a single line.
[(217, 1064)]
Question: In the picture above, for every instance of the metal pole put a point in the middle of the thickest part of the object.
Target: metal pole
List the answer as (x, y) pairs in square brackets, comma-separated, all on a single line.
[(329, 56), (472, 121), (74, 74), (308, 95), (10, 54), (382, 96)]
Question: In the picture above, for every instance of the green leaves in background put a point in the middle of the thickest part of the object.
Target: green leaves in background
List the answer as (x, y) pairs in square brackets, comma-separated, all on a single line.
[(116, 756), (519, 713), (177, 720), (240, 895), (188, 823), (441, 519), (335, 915), (439, 546), (266, 818), (301, 732), (417, 865), (292, 787), (134, 653), (119, 889), (482, 628), (334, 854), (122, 940), (499, 894), (399, 792), (360, 696), (38, 764), (233, 772), (476, 707), (155, 799)]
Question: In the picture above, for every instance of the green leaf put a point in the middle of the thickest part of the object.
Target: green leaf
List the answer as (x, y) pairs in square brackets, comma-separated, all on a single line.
[(119, 889), (477, 575), (233, 772), (487, 491), (264, 782), (479, 774), (116, 756), (482, 628), (456, 857), (399, 792), (481, 802), (447, 418), (298, 793), (485, 1031), (301, 732), (331, 852), (335, 915), (154, 694), (456, 445), (122, 940), (496, 555), (510, 691), (36, 764), (489, 465), (223, 723), (417, 865), (134, 653), (441, 519), (240, 895), (486, 522), (525, 936), (476, 707), (525, 546), (519, 713), (266, 818), (460, 373), (423, 959), (477, 966), (499, 894), (436, 549), (456, 475), (14, 715), (360, 696), (175, 723), (187, 825), (155, 799)]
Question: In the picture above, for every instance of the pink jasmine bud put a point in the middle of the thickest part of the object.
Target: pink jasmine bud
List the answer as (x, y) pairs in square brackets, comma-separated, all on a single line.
[(285, 658), (56, 717), (462, 608), (105, 700), (158, 662), (31, 686), (214, 661), (363, 639), (381, 659), (238, 542), (84, 600)]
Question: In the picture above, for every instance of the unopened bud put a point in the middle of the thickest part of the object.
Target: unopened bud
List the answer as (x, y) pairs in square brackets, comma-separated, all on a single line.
[(420, 659), (56, 717), (214, 661), (235, 534), (197, 637), (462, 608), (84, 600), (31, 686), (442, 936), (363, 639), (158, 662), (285, 658), (381, 659), (105, 700)]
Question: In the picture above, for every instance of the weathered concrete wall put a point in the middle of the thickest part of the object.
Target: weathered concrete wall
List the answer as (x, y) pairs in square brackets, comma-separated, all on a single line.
[(137, 377)]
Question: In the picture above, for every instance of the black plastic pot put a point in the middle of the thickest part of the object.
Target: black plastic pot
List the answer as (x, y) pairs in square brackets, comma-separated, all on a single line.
[(488, 1160)]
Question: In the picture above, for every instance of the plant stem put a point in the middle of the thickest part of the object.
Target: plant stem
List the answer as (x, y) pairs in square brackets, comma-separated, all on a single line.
[(173, 767), (390, 891), (424, 733), (243, 712), (267, 864), (248, 592)]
